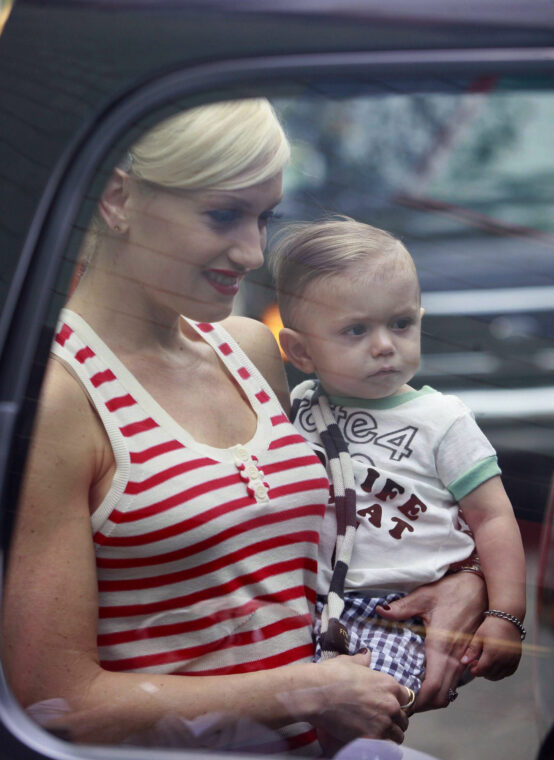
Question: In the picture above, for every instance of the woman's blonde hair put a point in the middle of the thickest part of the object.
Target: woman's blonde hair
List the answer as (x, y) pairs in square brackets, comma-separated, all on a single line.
[(222, 146)]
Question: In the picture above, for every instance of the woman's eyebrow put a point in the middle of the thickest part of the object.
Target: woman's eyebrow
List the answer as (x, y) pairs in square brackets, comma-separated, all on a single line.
[(222, 196)]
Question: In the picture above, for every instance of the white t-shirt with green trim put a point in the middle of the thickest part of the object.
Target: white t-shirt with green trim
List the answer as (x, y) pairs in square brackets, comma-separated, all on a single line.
[(415, 455)]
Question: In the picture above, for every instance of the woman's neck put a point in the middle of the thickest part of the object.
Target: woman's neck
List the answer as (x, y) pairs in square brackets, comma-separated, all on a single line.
[(122, 315)]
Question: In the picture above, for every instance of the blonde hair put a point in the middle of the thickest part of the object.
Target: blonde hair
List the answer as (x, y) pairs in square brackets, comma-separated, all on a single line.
[(221, 146), (229, 145), (307, 251)]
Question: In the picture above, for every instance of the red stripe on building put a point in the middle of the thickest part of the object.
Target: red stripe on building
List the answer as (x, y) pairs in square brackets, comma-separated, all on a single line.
[(83, 354), (213, 592), (275, 542), (102, 377), (134, 428), (245, 638), (120, 402), (64, 334), (164, 475), (139, 457), (269, 518)]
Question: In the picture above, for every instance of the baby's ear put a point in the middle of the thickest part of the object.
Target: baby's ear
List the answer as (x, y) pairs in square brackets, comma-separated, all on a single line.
[(295, 347)]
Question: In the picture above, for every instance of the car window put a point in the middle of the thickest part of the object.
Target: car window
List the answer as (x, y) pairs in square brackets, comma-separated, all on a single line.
[(459, 172)]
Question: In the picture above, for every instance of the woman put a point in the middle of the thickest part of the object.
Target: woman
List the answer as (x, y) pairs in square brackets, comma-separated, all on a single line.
[(165, 434)]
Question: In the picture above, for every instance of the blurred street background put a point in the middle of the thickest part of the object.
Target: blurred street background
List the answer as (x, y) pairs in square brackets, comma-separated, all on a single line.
[(462, 174), (494, 720)]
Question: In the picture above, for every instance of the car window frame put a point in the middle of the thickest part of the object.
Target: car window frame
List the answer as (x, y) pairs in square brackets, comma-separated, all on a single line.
[(24, 313)]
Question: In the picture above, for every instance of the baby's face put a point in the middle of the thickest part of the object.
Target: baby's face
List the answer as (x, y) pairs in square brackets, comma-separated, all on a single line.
[(363, 332)]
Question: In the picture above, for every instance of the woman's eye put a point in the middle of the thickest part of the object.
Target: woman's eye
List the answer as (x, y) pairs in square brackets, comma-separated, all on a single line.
[(269, 216), (223, 216), (355, 330)]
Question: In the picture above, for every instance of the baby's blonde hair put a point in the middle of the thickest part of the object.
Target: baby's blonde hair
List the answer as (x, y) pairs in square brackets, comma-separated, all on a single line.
[(307, 251)]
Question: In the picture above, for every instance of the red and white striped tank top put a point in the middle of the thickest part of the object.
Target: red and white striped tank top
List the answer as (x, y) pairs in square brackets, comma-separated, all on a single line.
[(206, 557)]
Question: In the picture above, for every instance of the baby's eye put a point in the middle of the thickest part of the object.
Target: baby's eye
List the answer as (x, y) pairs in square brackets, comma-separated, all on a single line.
[(403, 323), (357, 329), (223, 216)]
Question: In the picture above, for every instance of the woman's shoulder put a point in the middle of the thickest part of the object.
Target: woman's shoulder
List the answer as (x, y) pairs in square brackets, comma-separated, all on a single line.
[(259, 344), (65, 416), (61, 391), (249, 333)]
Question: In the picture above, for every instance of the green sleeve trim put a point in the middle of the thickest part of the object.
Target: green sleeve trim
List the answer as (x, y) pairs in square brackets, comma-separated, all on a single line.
[(474, 477), (389, 402)]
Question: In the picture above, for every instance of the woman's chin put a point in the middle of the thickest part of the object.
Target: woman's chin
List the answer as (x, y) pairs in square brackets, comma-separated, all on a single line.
[(207, 312)]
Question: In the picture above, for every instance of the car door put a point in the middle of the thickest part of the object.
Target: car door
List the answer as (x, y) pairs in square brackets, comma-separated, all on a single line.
[(433, 125)]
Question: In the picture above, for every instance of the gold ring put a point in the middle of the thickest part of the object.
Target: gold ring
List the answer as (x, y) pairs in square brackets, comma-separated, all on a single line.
[(411, 700)]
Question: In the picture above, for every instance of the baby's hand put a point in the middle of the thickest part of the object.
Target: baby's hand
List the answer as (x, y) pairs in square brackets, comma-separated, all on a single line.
[(495, 650)]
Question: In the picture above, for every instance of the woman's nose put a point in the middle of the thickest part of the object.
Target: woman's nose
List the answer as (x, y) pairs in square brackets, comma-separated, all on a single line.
[(247, 250)]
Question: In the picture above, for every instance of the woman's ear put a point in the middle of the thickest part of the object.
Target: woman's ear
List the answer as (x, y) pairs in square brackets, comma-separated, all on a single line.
[(113, 202), (296, 348)]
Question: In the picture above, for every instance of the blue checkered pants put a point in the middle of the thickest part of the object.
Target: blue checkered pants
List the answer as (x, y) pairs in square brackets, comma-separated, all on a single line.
[(396, 648)]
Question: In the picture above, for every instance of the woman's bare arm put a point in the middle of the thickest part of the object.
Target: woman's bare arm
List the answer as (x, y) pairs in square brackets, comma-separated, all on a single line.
[(50, 615)]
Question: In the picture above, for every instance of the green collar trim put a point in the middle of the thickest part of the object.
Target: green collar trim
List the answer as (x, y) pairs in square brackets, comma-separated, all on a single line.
[(381, 403)]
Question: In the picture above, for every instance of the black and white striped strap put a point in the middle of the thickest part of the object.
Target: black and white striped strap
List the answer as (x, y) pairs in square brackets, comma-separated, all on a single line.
[(334, 635)]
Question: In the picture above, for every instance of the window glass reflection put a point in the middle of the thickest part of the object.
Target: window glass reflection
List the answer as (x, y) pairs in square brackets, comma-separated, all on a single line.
[(162, 430)]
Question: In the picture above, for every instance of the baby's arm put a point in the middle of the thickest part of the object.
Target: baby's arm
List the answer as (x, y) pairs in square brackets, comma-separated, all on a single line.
[(497, 641)]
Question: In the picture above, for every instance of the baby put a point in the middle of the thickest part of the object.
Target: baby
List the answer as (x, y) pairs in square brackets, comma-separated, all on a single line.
[(401, 461)]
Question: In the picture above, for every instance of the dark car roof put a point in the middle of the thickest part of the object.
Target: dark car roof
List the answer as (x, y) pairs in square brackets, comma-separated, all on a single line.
[(62, 62), (496, 11)]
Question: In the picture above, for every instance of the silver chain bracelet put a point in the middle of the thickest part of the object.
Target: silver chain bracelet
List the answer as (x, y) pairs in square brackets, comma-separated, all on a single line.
[(511, 618)]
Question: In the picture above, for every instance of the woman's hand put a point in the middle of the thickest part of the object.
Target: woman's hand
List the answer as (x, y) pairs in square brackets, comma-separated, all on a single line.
[(452, 610), (351, 701)]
